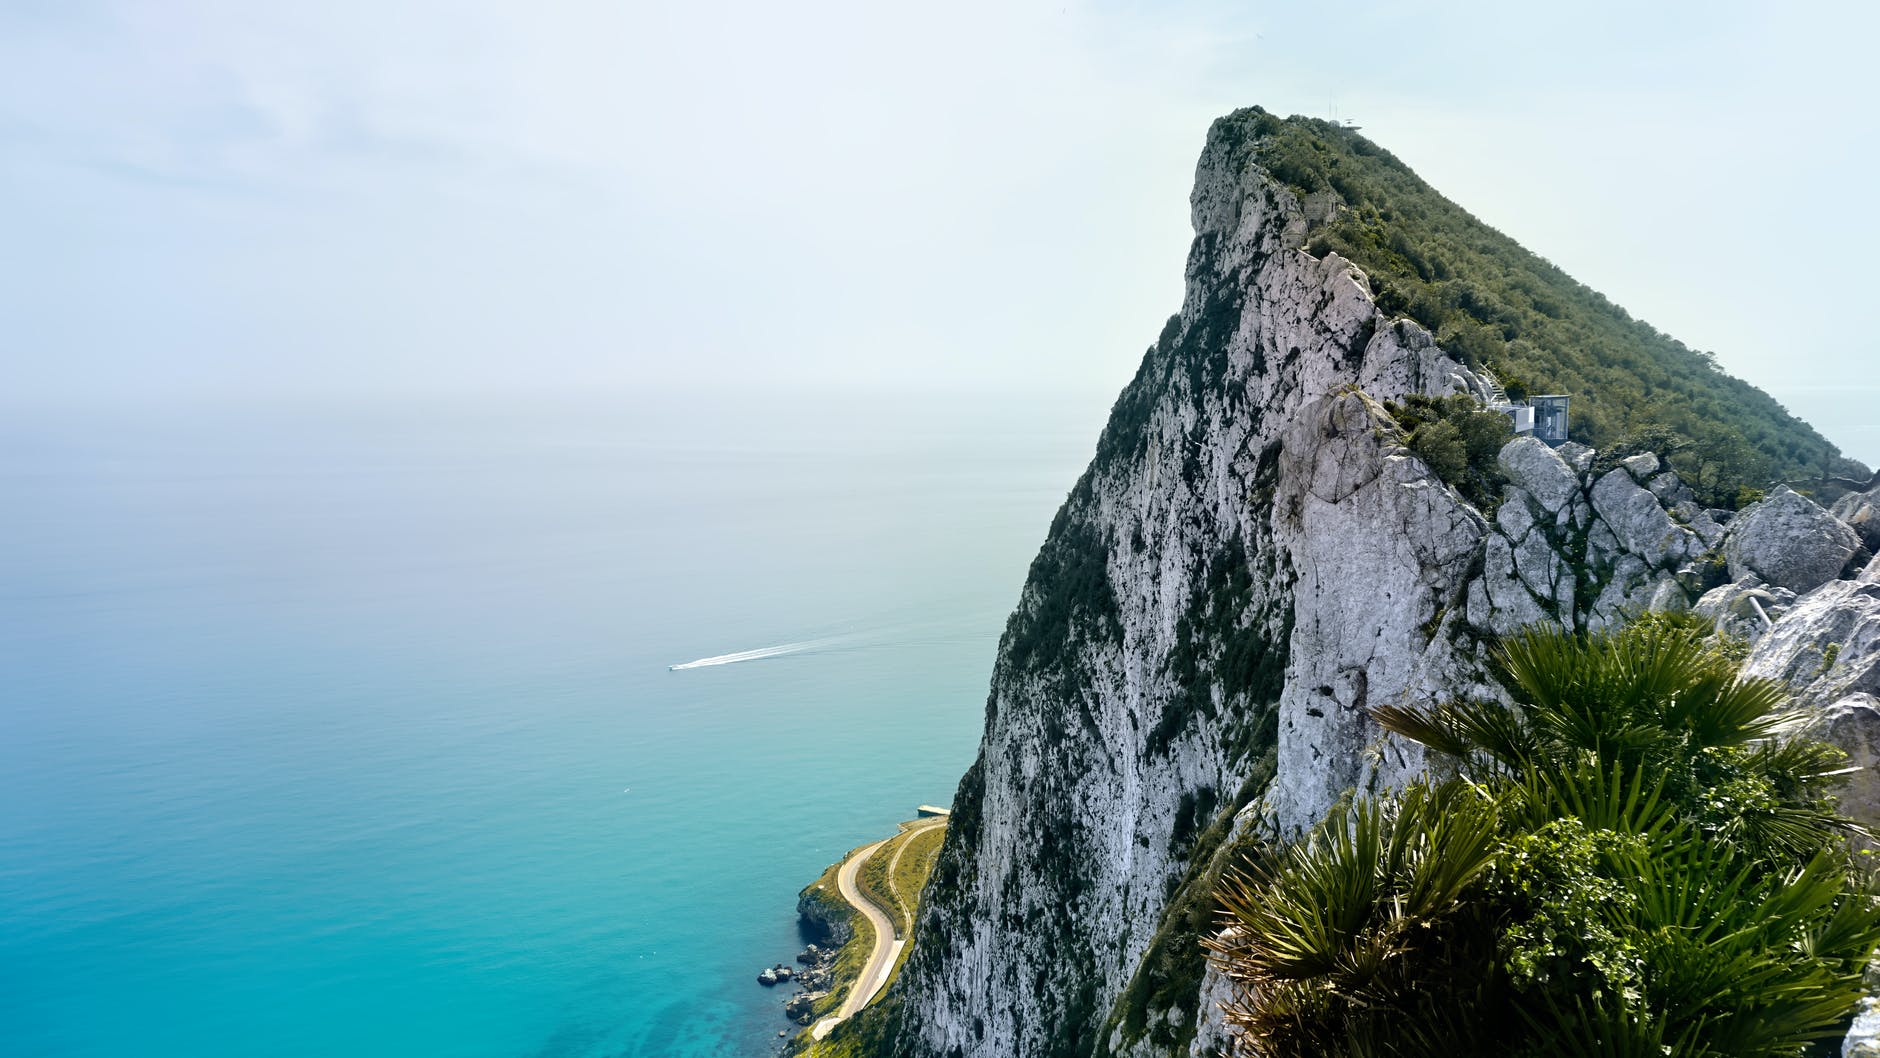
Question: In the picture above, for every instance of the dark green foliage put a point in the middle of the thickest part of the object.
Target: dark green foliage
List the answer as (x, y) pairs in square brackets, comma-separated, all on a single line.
[(1371, 937), (1223, 642), (1627, 863), (1494, 304), (1071, 587), (1717, 470), (1459, 440)]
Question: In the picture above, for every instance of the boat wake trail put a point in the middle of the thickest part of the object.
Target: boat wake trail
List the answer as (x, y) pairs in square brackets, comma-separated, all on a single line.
[(752, 655)]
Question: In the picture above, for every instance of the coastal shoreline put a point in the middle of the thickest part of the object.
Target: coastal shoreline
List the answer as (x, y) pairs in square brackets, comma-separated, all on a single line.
[(857, 919)]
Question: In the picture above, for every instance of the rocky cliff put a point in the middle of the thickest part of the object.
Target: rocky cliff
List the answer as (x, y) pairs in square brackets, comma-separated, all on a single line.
[(1251, 560)]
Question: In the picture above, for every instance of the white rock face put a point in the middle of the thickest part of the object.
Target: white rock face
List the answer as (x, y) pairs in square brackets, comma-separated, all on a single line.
[(1360, 604), (1853, 723), (1641, 466), (1827, 646), (1250, 563), (1788, 540), (1638, 521), (1538, 469)]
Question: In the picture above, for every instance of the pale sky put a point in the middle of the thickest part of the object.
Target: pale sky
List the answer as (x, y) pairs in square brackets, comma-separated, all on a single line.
[(204, 199)]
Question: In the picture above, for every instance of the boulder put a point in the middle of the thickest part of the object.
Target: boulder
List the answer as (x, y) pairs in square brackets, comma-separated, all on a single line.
[(1542, 569), (1627, 592), (1789, 541), (1860, 511), (800, 1005), (1577, 456), (1827, 646), (1601, 546), (1641, 526), (1733, 608), (1641, 466), (1669, 489), (1539, 470), (1699, 521), (1514, 516), (1668, 596), (1853, 724)]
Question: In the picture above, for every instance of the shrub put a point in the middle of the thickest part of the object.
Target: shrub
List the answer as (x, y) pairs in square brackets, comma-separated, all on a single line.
[(1627, 861), (1459, 439)]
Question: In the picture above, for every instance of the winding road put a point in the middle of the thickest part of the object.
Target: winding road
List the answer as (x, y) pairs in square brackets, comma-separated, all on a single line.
[(888, 938)]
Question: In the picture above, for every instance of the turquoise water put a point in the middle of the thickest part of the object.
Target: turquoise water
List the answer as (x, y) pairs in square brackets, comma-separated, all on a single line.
[(352, 732)]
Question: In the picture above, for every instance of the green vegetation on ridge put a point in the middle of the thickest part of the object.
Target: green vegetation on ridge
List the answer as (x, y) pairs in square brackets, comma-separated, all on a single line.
[(1496, 305)]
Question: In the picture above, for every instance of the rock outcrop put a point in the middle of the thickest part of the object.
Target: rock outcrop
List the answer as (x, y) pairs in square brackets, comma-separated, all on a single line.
[(1251, 561), (1827, 646), (823, 918)]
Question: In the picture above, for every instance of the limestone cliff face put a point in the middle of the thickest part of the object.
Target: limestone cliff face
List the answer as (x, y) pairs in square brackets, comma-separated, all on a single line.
[(1250, 561)]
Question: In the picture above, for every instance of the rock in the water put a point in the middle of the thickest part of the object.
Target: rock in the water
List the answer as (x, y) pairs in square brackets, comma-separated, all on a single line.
[(800, 1005), (1538, 469), (767, 977), (1789, 541), (823, 918), (1640, 524)]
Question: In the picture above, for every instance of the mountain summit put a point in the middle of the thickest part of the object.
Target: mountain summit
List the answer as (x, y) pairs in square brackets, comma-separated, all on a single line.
[(1301, 509)]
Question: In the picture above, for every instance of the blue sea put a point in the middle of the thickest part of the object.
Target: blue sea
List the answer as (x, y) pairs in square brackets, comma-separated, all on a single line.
[(351, 728)]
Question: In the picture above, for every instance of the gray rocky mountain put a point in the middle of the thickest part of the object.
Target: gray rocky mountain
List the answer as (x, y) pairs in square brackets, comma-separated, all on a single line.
[(1253, 559)]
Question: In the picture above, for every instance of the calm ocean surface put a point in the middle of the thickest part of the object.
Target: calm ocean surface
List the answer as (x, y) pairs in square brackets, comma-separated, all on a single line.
[(351, 731)]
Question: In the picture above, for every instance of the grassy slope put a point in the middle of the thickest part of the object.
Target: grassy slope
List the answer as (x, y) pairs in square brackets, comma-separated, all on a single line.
[(1496, 304), (916, 846), (862, 1034)]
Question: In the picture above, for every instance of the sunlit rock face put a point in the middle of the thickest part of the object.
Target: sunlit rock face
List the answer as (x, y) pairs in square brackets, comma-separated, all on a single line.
[(1789, 542), (1251, 561)]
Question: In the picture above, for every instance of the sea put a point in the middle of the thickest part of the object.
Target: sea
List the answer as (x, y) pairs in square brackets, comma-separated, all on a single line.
[(485, 727)]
